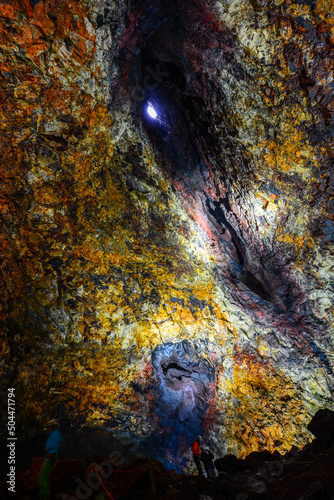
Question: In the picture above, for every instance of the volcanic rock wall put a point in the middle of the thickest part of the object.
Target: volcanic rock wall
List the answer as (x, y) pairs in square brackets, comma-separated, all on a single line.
[(168, 277)]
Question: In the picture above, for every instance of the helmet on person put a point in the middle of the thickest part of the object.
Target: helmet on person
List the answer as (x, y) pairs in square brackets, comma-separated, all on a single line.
[(52, 423)]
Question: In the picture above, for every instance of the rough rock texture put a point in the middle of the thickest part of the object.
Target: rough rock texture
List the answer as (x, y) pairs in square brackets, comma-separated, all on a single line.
[(171, 277)]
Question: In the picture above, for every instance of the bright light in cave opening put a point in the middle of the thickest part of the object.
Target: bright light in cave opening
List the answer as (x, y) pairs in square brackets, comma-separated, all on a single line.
[(151, 111)]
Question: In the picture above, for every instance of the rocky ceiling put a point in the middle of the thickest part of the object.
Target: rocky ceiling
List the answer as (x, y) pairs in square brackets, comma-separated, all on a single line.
[(167, 219)]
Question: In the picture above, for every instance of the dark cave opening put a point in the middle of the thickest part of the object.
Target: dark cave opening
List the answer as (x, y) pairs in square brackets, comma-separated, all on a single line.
[(173, 133), (176, 367)]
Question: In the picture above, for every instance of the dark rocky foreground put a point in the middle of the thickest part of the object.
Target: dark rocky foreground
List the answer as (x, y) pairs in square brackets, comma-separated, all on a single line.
[(306, 474)]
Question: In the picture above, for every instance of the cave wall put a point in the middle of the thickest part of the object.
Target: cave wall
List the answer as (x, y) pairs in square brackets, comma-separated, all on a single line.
[(172, 277)]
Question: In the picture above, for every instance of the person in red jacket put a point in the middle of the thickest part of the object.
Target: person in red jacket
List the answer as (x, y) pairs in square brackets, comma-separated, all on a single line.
[(197, 454)]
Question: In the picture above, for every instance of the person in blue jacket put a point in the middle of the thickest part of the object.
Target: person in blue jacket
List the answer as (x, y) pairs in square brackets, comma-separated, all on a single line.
[(51, 454)]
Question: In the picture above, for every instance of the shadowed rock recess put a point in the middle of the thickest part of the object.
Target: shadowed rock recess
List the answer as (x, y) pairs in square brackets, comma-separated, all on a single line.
[(167, 221)]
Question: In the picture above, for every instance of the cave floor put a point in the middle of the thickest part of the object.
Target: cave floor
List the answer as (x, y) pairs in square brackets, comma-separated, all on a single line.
[(305, 474)]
